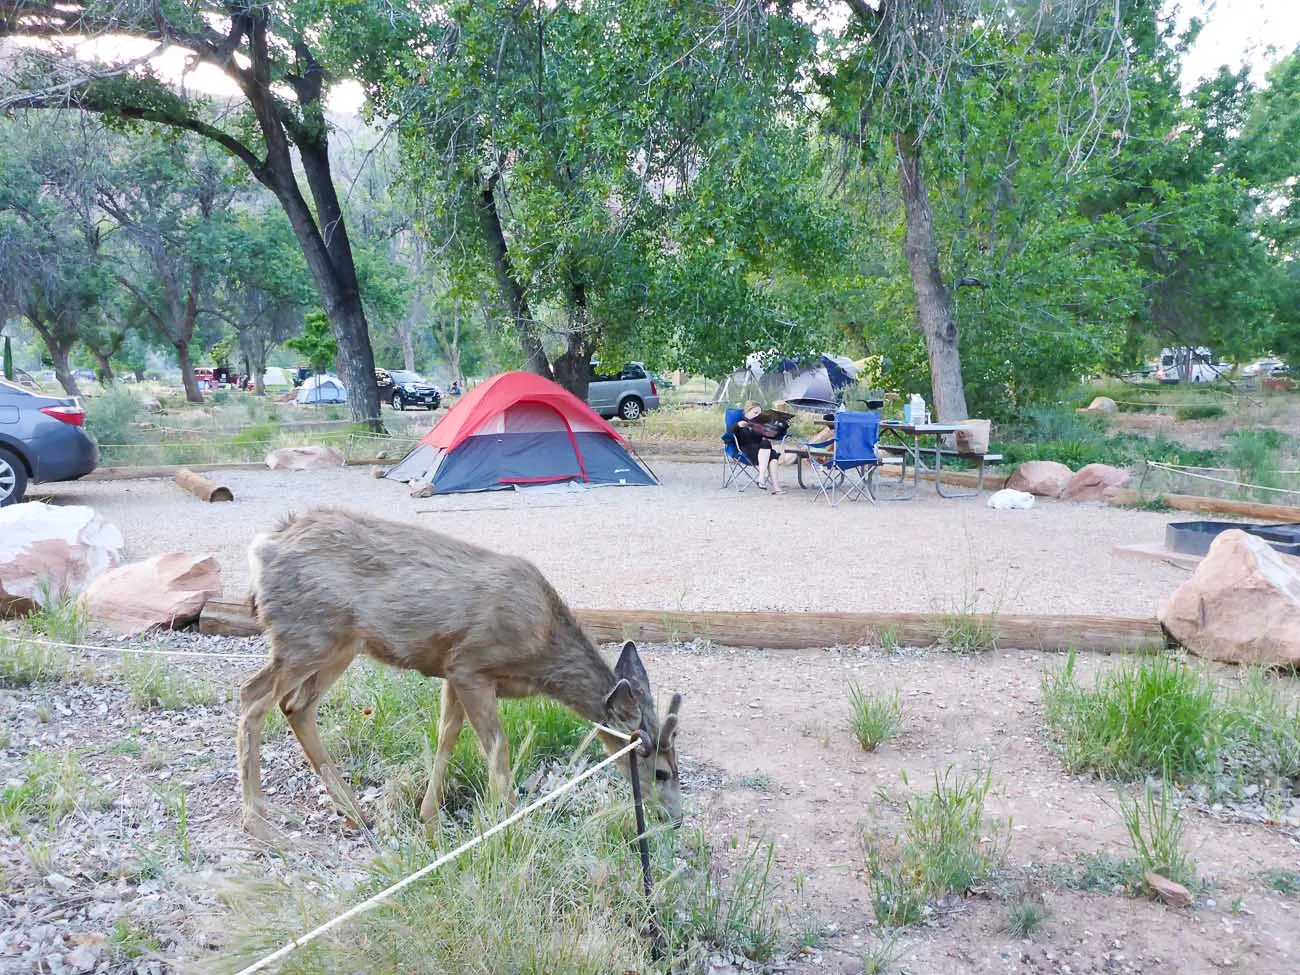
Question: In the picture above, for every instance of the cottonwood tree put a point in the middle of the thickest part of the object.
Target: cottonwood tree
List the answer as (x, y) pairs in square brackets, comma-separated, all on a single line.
[(53, 270), (654, 226), (274, 56), (900, 63), (170, 201)]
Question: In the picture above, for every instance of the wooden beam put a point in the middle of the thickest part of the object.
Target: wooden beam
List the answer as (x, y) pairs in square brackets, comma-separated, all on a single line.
[(1214, 506), (807, 631)]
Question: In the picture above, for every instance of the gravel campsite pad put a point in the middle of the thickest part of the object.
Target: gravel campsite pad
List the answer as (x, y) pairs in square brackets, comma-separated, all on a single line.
[(133, 878)]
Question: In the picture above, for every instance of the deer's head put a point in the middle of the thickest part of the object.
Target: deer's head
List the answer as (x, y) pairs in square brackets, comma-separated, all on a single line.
[(631, 707)]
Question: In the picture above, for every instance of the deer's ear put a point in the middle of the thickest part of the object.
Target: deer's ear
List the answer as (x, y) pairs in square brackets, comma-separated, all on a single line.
[(621, 706), (630, 668)]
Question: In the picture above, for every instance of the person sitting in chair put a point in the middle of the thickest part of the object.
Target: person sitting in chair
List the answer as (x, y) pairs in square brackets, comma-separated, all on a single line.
[(755, 441)]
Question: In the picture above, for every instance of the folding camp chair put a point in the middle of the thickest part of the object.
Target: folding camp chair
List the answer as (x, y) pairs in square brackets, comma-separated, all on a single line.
[(847, 473), (736, 467)]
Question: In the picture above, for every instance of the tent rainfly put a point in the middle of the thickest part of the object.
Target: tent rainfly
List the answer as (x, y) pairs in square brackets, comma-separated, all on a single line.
[(519, 429)]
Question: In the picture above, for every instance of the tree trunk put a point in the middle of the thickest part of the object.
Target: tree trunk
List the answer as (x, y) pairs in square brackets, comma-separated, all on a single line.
[(105, 367), (935, 316), (404, 333), (573, 366), (511, 290), (192, 392), (62, 369)]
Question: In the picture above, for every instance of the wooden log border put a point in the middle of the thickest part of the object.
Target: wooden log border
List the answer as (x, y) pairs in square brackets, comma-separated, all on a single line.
[(811, 631)]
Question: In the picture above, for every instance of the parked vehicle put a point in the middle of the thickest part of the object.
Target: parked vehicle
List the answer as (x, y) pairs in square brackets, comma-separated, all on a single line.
[(1186, 364), (301, 375), (41, 440), (627, 395), (403, 389)]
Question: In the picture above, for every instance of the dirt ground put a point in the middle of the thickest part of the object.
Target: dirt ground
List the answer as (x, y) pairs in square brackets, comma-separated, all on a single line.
[(766, 757), (689, 545), (765, 750)]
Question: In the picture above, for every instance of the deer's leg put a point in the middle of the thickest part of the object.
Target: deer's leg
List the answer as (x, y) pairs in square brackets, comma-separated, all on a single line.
[(451, 719), (300, 707), (479, 699), (255, 699)]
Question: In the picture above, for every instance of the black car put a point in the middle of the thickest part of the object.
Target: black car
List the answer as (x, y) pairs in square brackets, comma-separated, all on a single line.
[(403, 389), (41, 439)]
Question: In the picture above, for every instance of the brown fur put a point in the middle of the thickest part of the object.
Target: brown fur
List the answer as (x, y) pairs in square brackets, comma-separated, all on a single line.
[(332, 583)]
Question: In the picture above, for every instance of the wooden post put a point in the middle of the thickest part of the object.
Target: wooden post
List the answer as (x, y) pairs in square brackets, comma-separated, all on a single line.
[(810, 631), (201, 487)]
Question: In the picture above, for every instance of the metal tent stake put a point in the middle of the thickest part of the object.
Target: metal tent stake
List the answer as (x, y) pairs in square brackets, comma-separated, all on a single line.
[(655, 932)]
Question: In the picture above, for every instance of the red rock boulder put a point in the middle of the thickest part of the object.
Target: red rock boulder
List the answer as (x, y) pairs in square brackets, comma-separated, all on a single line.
[(1092, 481), (1044, 478), (303, 458), (164, 592), (1241, 605)]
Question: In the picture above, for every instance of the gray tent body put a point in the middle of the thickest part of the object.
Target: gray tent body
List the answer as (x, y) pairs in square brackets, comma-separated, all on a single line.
[(809, 382), (321, 389)]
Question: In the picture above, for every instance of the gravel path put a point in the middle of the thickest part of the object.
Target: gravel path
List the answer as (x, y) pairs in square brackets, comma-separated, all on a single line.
[(687, 545)]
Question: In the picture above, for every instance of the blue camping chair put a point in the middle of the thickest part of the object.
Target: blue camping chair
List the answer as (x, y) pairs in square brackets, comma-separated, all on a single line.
[(849, 471), (736, 467)]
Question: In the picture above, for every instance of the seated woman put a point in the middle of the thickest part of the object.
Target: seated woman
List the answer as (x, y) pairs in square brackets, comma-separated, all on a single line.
[(755, 441)]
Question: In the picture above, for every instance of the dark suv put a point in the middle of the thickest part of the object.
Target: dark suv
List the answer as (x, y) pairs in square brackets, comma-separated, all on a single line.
[(403, 389), (41, 439)]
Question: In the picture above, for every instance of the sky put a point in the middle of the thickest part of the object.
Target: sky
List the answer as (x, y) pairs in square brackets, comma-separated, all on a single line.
[(1239, 32)]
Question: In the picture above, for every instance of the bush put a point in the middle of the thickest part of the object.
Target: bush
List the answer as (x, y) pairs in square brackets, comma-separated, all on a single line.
[(109, 416), (1199, 411)]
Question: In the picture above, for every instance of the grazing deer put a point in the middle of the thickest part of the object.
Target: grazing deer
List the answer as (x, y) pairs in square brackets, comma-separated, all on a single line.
[(326, 586)]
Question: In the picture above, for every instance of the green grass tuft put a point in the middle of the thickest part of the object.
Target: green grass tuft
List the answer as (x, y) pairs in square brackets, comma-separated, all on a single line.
[(875, 718), (1155, 830), (1025, 917)]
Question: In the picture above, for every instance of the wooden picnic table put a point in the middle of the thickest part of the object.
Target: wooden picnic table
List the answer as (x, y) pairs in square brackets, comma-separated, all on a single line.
[(905, 440)]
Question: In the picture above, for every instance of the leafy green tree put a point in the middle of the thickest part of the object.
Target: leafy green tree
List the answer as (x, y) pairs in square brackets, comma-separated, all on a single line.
[(898, 79), (53, 270), (316, 343), (653, 227), (275, 54)]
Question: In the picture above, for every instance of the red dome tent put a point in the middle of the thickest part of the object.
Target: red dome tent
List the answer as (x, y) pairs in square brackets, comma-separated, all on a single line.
[(519, 429)]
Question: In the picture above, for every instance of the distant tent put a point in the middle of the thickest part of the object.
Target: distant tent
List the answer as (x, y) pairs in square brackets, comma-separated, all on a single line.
[(275, 377), (814, 384), (518, 429), (322, 389)]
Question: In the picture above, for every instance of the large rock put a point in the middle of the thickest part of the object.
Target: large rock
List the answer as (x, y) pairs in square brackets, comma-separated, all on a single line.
[(1093, 481), (51, 552), (165, 591), (303, 458), (1101, 404), (1044, 478), (1241, 605)]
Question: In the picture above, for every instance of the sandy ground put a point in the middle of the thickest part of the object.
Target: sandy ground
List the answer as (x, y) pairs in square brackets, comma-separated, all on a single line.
[(689, 545)]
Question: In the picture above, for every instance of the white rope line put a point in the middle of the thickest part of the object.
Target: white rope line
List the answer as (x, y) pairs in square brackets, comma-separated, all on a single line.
[(387, 892), (1220, 480), (1225, 470), (155, 652)]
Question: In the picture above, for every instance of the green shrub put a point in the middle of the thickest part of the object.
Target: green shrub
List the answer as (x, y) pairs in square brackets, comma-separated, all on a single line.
[(110, 414), (1199, 411)]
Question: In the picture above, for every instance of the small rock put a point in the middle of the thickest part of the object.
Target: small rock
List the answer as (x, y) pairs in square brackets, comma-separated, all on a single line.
[(81, 959), (1173, 894), (421, 489), (60, 882), (376, 471), (1101, 404)]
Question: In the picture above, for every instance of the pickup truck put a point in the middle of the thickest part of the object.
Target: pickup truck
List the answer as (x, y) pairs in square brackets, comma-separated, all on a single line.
[(627, 395)]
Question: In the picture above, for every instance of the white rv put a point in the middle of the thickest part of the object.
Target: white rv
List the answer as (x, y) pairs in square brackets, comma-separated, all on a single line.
[(1186, 364)]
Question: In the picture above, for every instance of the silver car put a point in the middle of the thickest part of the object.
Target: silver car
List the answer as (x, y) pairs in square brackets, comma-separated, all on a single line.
[(628, 395), (41, 439)]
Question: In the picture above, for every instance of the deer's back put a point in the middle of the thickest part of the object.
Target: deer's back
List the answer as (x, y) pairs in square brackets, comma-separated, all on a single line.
[(413, 597)]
